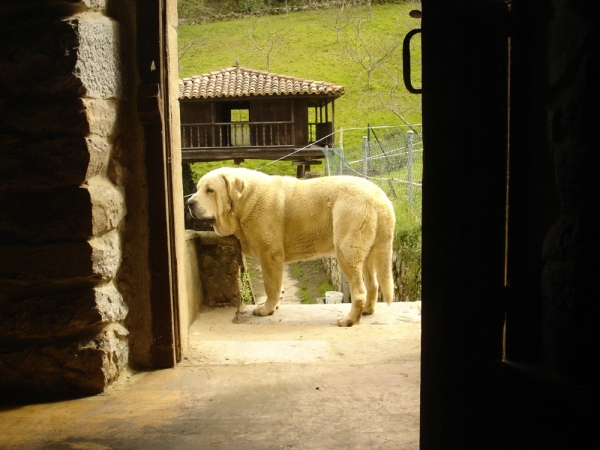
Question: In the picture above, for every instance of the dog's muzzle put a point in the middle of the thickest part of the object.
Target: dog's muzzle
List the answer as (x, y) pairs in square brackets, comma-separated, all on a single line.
[(191, 203)]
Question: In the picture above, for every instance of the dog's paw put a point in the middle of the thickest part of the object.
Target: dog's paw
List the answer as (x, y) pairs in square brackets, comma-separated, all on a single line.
[(261, 310), (368, 312), (263, 304), (345, 322)]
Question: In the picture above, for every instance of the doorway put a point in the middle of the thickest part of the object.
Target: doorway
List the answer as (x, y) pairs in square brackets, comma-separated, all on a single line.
[(293, 341)]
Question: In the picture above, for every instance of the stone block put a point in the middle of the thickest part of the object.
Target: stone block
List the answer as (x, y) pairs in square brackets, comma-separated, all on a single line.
[(61, 117), (42, 216), (117, 173), (79, 368), (79, 55), (101, 115), (108, 205), (50, 163), (99, 156), (95, 4), (38, 58), (54, 317), (90, 261), (106, 255), (62, 214), (210, 238), (98, 65)]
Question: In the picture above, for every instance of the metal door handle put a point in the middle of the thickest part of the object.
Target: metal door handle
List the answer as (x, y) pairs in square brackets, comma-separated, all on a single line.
[(406, 61)]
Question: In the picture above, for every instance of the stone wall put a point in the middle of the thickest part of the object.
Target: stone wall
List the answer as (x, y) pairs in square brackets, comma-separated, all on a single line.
[(68, 146), (340, 284)]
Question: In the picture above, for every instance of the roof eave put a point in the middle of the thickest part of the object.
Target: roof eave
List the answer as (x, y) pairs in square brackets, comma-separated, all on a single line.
[(259, 96)]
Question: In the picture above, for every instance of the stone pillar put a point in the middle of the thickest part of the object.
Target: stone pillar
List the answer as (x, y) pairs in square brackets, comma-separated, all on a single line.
[(219, 266), (62, 199)]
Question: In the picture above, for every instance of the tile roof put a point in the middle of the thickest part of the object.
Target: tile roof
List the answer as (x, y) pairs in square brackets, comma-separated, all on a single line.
[(242, 82)]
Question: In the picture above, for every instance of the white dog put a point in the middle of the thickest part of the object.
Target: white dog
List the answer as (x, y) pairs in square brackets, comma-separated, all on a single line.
[(282, 219)]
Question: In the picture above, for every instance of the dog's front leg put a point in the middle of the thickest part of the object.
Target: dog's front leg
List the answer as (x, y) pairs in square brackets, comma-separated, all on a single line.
[(272, 269)]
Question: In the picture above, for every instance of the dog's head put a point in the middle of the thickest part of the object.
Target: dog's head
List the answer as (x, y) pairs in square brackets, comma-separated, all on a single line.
[(216, 196)]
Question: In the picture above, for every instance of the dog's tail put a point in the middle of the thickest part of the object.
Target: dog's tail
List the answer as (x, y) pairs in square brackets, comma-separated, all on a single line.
[(382, 253)]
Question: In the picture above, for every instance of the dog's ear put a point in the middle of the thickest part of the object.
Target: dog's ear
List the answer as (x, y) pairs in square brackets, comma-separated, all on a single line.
[(235, 186)]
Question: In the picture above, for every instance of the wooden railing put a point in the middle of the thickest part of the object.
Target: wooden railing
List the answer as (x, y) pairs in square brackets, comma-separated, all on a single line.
[(237, 134)]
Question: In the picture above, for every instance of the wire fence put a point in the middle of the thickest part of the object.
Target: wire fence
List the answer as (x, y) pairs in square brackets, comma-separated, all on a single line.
[(391, 157)]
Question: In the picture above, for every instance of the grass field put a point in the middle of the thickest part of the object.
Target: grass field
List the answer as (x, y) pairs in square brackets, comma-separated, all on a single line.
[(310, 49)]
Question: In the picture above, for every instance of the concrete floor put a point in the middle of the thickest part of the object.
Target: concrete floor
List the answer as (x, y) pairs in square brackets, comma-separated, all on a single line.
[(293, 380)]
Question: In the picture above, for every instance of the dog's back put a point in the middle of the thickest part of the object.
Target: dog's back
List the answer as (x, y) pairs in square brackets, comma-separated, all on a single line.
[(315, 211)]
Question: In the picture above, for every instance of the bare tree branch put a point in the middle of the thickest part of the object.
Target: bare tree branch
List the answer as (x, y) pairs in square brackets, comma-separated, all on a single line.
[(265, 38), (183, 48), (366, 51), (336, 18), (401, 106)]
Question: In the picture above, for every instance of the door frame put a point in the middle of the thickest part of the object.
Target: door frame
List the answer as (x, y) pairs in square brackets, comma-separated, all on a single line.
[(158, 109)]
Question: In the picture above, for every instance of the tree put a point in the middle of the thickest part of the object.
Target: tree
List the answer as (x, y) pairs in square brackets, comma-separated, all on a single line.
[(398, 101), (368, 51), (183, 48), (336, 18), (265, 38)]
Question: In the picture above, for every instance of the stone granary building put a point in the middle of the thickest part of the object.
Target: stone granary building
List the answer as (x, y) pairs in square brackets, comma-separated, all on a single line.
[(91, 233)]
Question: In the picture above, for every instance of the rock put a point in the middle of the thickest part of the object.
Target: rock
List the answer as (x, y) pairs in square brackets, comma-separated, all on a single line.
[(54, 317)]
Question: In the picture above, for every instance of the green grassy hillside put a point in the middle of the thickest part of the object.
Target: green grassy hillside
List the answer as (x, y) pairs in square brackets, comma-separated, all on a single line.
[(310, 49)]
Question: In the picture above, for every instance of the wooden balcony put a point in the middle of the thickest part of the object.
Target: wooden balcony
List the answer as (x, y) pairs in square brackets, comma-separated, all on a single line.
[(244, 140)]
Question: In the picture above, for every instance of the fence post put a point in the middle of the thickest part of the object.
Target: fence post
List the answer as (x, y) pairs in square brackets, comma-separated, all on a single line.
[(328, 154), (340, 154), (369, 145), (365, 146), (409, 150)]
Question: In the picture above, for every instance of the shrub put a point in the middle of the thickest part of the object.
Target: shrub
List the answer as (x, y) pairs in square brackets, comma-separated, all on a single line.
[(407, 251)]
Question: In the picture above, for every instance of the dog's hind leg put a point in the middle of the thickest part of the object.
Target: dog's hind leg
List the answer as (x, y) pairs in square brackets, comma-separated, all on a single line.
[(371, 285), (378, 274), (272, 269), (350, 261)]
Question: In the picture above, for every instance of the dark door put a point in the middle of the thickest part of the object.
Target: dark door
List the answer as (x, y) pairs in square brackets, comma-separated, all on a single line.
[(465, 110)]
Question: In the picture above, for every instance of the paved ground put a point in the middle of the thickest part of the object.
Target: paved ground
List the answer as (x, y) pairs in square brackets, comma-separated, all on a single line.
[(293, 380)]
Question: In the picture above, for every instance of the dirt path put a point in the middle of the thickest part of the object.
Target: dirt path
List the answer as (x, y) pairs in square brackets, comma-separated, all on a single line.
[(303, 282)]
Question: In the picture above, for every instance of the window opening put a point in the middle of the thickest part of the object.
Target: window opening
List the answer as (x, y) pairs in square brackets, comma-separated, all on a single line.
[(240, 127)]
